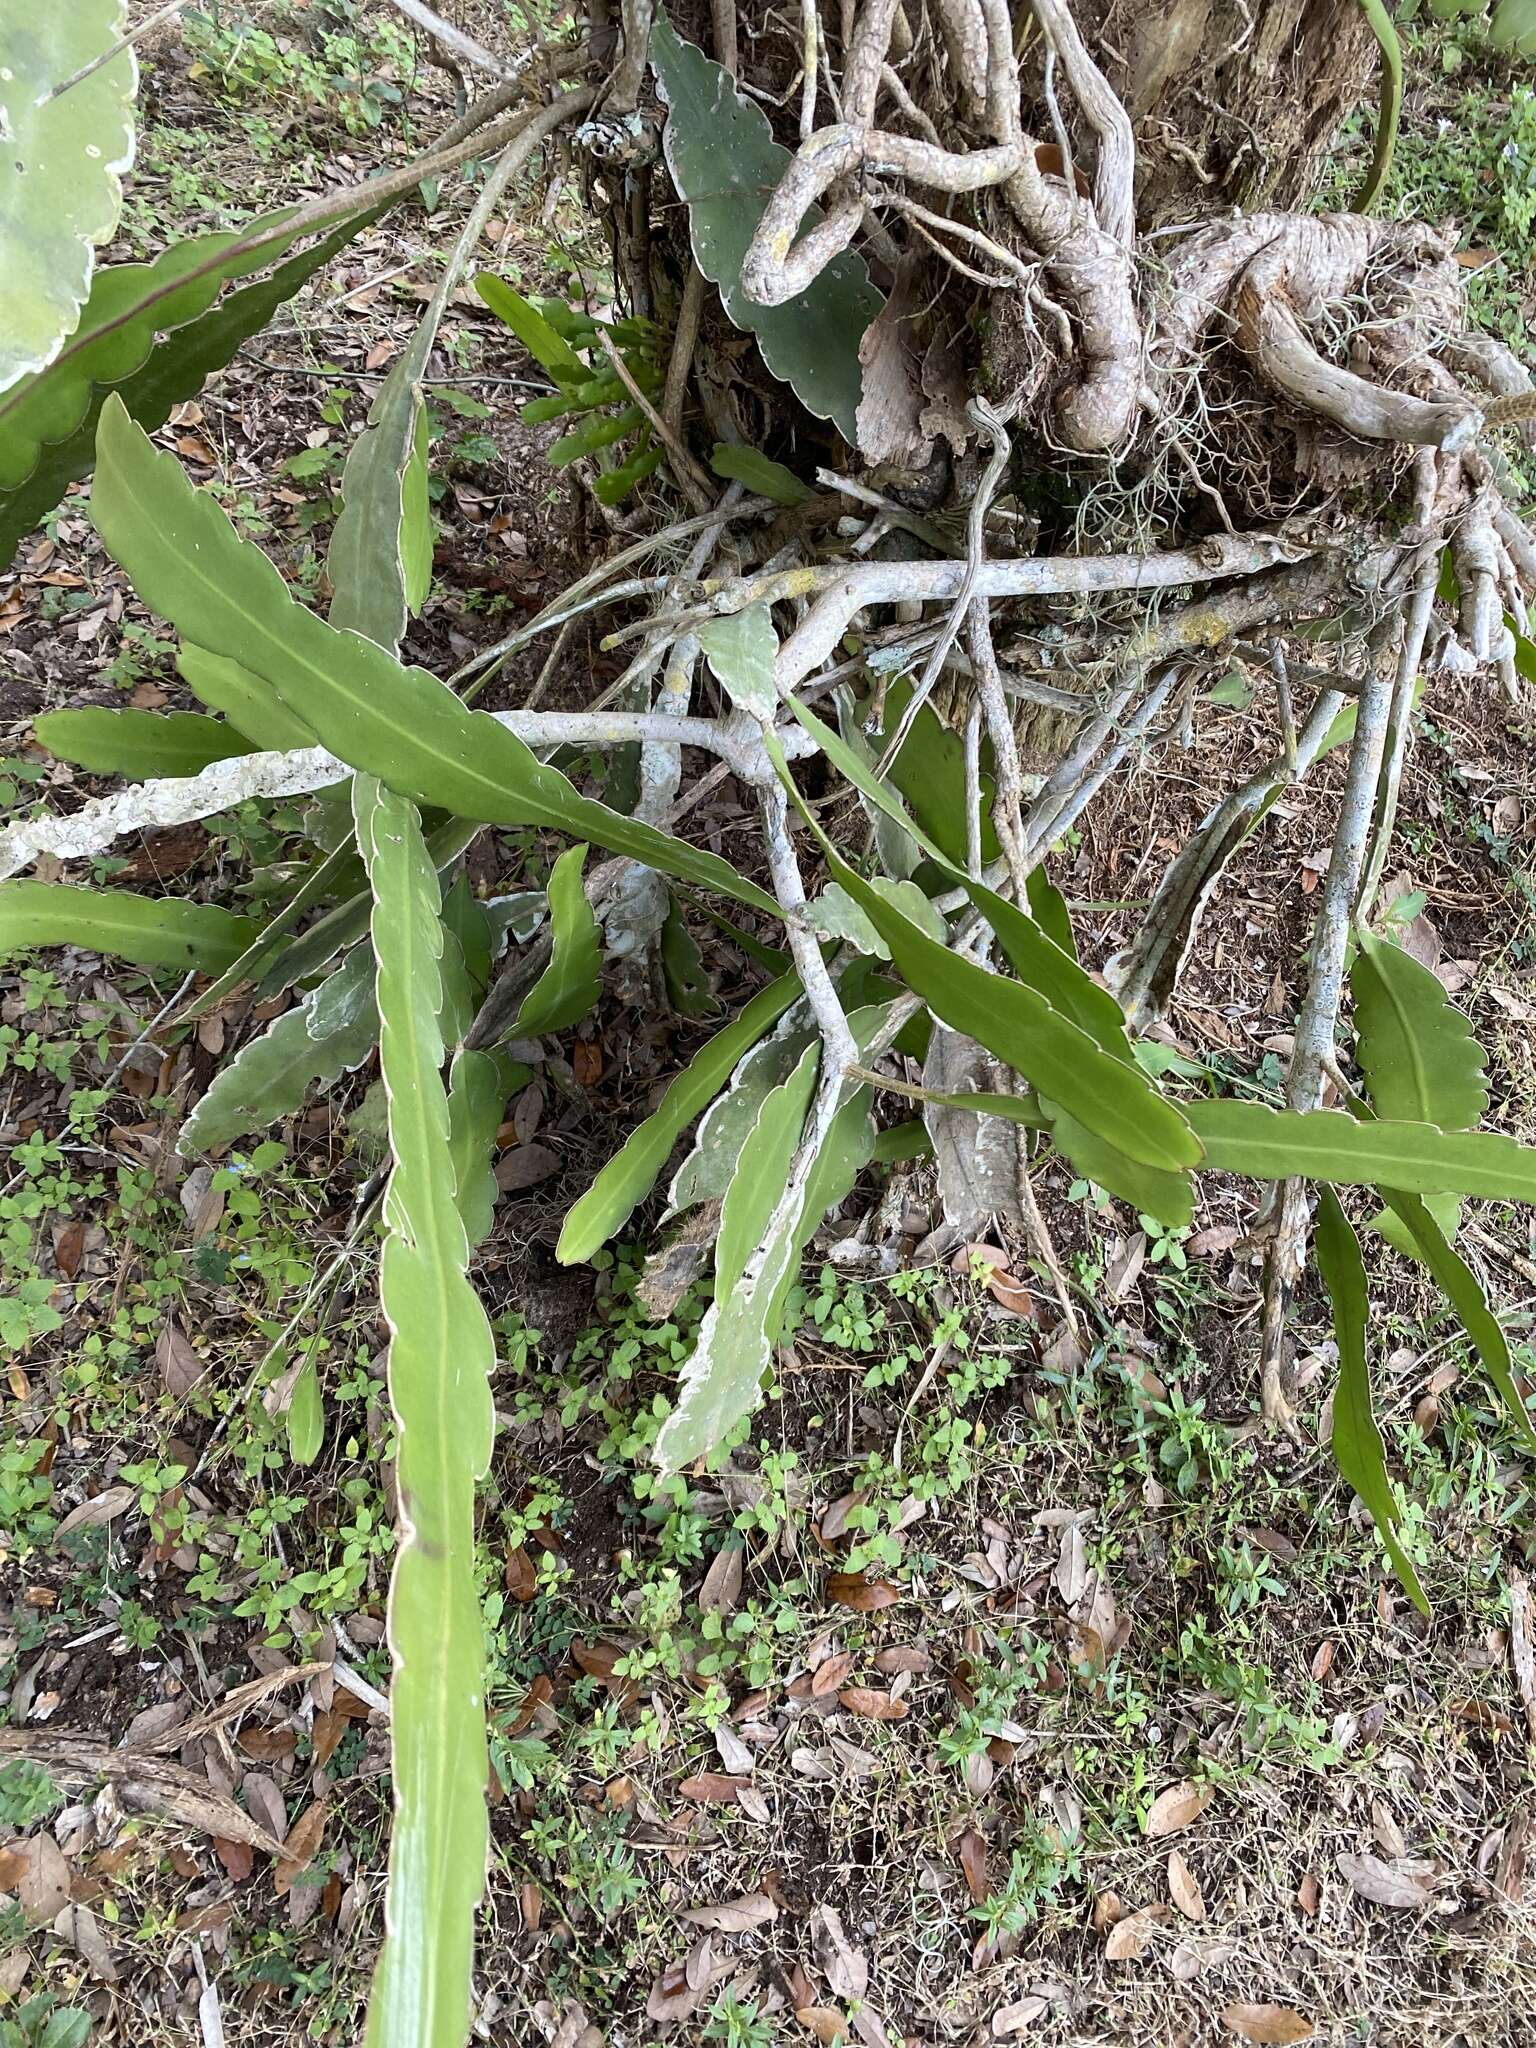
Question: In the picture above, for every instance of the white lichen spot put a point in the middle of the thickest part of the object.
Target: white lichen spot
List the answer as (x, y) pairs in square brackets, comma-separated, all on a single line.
[(92, 150)]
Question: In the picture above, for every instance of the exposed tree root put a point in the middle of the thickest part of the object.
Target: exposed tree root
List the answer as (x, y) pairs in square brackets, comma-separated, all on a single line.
[(1306, 380)]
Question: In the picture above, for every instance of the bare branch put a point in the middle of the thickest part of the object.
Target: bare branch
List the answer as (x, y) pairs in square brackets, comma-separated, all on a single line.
[(451, 38), (181, 799), (840, 592)]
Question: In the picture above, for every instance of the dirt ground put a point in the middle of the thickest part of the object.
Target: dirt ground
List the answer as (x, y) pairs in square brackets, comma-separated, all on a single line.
[(1004, 1685)]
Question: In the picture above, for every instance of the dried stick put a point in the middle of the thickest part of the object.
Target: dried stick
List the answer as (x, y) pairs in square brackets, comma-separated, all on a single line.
[(182, 799), (690, 312), (839, 592), (690, 477), (1399, 725), (1317, 1020), (451, 38)]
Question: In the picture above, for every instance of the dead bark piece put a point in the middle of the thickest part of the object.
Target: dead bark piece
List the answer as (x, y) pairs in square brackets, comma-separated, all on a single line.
[(143, 1784), (889, 421)]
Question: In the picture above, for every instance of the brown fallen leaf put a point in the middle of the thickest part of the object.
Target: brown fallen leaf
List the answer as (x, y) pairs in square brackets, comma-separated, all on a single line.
[(735, 1757), (269, 1745), (600, 1660), (238, 1858), (1128, 1938), (1182, 1888), (843, 1965), (722, 1582), (1010, 2021), (1382, 1884), (520, 1575), (870, 2028), (713, 1788), (1268, 2024), (863, 1596), (68, 1246), (587, 1062), (326, 1734), (672, 1997), (1308, 1892), (972, 1852), (42, 1890), (902, 1657), (100, 1509), (180, 1366), (834, 1523), (830, 1673), (1108, 1908), (79, 1926), (524, 1166), (873, 1704), (1178, 1806), (13, 1861), (540, 1692), (825, 2022), (733, 1916), (1481, 1714), (1271, 1541), (265, 1802), (990, 1261), (300, 1846)]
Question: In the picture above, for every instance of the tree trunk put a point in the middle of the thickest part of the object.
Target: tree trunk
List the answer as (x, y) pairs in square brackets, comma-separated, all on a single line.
[(1236, 105)]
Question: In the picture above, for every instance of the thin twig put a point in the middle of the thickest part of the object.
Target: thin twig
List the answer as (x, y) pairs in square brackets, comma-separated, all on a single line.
[(1317, 1020), (992, 424), (692, 479), (134, 35), (1399, 727), (451, 38)]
